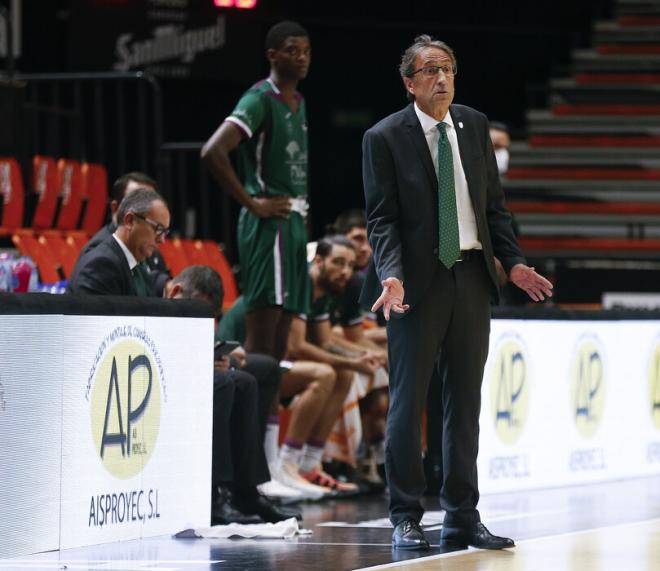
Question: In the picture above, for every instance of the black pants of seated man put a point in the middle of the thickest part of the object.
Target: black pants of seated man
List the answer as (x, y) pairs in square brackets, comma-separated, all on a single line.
[(266, 370), (238, 453)]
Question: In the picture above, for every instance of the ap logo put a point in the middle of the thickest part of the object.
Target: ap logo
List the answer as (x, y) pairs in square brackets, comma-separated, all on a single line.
[(588, 385), (125, 408), (509, 388), (654, 384)]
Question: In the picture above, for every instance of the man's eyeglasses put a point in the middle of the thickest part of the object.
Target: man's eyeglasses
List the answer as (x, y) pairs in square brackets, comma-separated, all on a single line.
[(159, 229), (433, 70)]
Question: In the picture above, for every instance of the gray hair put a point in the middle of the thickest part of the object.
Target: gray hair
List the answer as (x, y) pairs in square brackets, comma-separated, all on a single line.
[(138, 202), (201, 282), (407, 66)]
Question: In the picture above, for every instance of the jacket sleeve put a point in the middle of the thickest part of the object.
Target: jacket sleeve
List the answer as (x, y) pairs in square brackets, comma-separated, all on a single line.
[(382, 205), (505, 245)]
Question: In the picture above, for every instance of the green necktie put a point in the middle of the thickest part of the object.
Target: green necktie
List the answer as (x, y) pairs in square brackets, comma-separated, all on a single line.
[(449, 248), (139, 281)]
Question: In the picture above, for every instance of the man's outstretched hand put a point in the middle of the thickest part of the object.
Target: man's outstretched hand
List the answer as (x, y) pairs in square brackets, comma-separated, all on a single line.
[(535, 285), (391, 299)]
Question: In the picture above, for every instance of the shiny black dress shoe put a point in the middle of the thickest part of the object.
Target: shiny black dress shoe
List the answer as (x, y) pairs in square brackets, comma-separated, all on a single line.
[(476, 536), (408, 535), (224, 512), (253, 502)]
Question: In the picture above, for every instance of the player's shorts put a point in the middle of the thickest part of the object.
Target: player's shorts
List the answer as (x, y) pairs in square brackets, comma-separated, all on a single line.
[(272, 253)]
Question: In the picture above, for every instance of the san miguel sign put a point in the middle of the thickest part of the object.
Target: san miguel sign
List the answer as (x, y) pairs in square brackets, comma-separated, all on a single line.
[(166, 38)]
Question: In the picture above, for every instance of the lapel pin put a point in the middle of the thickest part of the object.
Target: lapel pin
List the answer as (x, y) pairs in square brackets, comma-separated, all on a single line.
[(460, 124)]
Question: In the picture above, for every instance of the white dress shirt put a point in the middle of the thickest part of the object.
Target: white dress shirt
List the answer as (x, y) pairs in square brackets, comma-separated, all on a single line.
[(467, 223), (130, 258)]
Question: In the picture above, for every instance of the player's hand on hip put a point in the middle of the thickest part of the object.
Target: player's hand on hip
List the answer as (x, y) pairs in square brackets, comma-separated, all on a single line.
[(271, 207), (391, 299)]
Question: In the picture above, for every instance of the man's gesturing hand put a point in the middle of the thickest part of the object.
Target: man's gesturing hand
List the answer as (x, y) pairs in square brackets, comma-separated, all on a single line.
[(529, 281), (391, 299)]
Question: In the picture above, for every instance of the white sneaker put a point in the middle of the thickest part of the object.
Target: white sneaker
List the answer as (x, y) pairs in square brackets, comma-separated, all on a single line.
[(276, 490), (287, 474)]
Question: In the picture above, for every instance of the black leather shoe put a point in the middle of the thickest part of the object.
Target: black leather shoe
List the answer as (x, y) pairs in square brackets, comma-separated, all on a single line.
[(408, 535), (254, 502), (224, 512), (476, 536)]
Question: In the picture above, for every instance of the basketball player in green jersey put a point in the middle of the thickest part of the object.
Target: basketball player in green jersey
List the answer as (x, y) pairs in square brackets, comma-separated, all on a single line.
[(268, 130)]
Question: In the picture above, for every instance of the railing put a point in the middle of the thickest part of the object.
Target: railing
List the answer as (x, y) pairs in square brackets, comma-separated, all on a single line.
[(207, 211), (111, 118)]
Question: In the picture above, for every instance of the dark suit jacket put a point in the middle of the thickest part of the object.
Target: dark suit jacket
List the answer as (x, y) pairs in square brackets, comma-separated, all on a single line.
[(401, 191), (103, 270), (159, 273)]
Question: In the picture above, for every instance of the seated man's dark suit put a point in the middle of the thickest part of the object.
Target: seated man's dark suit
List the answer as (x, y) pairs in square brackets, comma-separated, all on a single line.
[(103, 270), (159, 273)]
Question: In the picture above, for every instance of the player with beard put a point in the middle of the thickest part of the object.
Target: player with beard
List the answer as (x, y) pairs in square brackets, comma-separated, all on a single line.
[(311, 339)]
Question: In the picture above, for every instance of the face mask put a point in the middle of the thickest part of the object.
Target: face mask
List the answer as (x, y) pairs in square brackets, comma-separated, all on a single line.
[(502, 158)]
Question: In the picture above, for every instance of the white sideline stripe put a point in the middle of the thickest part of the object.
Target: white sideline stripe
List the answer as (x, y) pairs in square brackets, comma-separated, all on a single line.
[(518, 543)]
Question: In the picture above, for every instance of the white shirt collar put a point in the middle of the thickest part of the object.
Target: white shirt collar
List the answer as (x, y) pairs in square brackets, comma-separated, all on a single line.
[(429, 123), (130, 258)]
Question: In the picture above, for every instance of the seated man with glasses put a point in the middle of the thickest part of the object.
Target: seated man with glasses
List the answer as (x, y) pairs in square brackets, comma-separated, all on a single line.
[(116, 265), (159, 273)]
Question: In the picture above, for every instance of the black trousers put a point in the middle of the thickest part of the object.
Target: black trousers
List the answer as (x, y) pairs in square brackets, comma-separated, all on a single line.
[(266, 370), (238, 453), (450, 325)]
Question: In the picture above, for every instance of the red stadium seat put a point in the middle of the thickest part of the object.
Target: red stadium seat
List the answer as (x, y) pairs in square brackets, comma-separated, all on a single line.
[(95, 194), (12, 196), (70, 190), (44, 184)]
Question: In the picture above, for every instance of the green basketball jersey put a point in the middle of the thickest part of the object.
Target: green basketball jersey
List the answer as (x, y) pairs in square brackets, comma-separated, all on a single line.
[(273, 157)]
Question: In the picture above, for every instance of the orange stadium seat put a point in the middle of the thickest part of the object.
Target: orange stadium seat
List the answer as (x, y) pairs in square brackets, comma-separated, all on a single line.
[(38, 250), (64, 250), (12, 196), (174, 255), (70, 190), (44, 184), (218, 261), (195, 252), (79, 238), (95, 194)]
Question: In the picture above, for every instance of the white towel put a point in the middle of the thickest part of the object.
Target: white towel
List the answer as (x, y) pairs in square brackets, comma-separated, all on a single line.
[(282, 530)]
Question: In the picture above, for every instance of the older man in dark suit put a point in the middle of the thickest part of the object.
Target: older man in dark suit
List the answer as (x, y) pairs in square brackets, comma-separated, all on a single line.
[(116, 265), (436, 218), (155, 264)]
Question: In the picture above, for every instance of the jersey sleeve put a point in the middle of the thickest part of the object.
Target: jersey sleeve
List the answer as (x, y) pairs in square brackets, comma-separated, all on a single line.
[(249, 113), (232, 324)]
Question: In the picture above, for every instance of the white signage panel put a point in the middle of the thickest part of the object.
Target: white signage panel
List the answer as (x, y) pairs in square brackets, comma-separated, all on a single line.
[(569, 402), (30, 433), (137, 428)]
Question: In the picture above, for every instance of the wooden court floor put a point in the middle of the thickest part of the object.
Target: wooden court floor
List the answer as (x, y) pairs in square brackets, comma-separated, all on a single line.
[(604, 527)]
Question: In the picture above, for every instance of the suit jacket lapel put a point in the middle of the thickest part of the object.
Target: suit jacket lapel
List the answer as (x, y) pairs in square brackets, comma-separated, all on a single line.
[(420, 144), (123, 264)]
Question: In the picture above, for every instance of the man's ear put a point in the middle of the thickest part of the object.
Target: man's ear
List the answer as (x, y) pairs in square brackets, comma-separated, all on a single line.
[(409, 85), (172, 290)]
